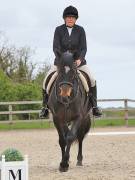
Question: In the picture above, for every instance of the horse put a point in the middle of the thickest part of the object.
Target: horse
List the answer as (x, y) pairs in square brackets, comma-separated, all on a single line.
[(70, 107)]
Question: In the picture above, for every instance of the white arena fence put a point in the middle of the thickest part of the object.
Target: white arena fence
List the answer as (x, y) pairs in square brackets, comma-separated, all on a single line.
[(11, 112)]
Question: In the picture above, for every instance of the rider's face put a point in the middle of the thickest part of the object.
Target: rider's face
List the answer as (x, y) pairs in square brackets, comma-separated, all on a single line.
[(70, 21)]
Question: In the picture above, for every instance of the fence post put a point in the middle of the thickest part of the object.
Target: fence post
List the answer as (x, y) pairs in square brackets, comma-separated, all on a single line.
[(126, 111), (10, 113)]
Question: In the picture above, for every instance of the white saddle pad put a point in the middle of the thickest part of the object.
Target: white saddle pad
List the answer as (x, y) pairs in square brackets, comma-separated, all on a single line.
[(84, 81), (81, 76)]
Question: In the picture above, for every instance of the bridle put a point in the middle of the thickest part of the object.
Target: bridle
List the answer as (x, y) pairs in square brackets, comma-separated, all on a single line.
[(68, 101)]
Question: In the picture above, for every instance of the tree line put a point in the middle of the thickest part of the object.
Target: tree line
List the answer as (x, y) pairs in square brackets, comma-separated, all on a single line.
[(17, 79)]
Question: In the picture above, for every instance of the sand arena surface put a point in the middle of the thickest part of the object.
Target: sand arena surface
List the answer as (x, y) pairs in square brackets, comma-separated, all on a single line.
[(105, 157)]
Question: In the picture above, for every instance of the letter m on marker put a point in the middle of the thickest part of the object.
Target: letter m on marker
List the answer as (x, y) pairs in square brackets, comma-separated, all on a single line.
[(18, 175)]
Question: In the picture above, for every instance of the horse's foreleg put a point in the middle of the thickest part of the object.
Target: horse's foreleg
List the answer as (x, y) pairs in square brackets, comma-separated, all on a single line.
[(62, 131), (65, 160), (81, 134), (70, 138), (62, 141), (62, 144), (79, 156)]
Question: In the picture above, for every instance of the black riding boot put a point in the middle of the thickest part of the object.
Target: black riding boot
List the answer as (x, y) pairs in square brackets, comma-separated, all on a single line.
[(93, 100), (44, 111)]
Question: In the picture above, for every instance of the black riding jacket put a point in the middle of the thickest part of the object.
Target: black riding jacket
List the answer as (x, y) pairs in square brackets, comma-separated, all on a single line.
[(75, 43)]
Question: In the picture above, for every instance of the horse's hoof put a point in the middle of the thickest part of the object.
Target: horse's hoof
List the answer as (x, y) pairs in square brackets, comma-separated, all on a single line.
[(63, 169), (79, 163)]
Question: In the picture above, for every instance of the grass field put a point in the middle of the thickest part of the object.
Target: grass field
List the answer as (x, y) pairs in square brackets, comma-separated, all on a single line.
[(46, 125), (113, 122), (26, 125)]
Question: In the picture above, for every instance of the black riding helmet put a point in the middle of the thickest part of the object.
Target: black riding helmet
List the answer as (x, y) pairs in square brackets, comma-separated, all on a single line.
[(70, 11)]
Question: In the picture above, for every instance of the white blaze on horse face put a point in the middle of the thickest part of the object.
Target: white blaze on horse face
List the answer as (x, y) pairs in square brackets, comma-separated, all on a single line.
[(67, 69)]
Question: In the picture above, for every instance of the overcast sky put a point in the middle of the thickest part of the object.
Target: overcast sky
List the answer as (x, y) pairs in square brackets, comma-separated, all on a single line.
[(110, 31)]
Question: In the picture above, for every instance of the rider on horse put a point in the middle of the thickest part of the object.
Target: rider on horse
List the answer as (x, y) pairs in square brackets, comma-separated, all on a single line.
[(71, 37)]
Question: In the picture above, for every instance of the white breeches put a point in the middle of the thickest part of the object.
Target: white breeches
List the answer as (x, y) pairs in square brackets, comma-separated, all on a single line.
[(83, 68), (86, 70)]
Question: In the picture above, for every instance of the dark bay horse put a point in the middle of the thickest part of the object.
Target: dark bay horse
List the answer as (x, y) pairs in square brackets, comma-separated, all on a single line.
[(70, 106)]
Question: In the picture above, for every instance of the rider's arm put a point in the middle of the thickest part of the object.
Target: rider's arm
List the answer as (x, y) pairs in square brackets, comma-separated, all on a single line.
[(83, 45), (56, 43)]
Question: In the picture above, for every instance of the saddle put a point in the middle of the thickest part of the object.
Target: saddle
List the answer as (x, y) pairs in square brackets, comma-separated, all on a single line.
[(52, 77)]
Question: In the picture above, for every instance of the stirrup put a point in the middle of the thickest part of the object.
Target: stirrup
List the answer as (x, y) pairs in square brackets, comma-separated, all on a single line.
[(44, 113), (97, 112)]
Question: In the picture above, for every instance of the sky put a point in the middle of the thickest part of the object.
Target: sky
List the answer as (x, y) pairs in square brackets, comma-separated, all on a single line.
[(110, 32)]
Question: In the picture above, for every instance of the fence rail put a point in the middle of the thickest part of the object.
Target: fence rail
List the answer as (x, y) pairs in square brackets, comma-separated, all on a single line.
[(11, 112)]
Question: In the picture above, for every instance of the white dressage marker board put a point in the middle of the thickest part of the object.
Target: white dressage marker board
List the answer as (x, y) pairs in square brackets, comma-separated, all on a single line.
[(14, 170), (112, 133)]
